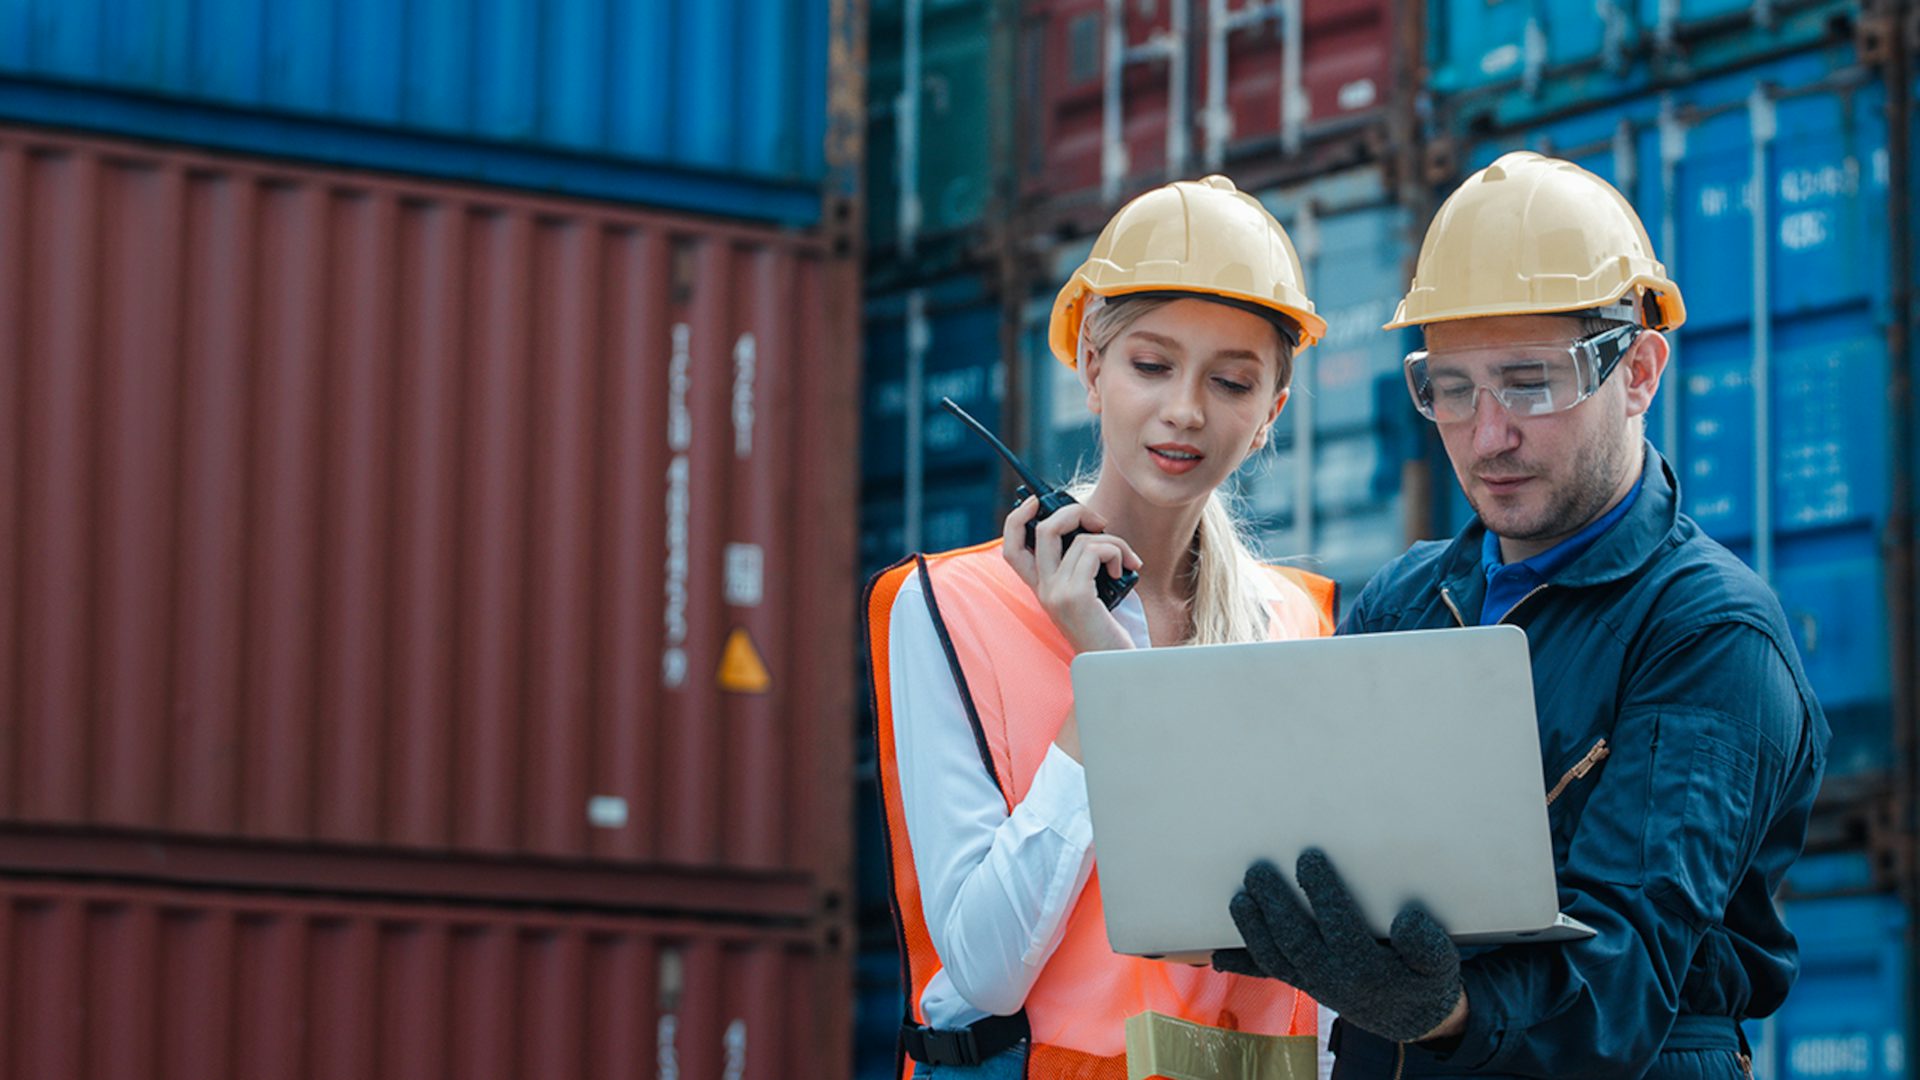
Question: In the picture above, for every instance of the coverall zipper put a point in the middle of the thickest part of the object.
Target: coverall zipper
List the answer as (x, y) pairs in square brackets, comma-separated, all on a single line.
[(1447, 595), (1580, 769)]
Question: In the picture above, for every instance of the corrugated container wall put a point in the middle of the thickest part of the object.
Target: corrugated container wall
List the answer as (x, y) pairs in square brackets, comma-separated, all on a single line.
[(1501, 63), (719, 107), (124, 982), (1847, 1015), (930, 147), (1795, 311), (1275, 79), (347, 512)]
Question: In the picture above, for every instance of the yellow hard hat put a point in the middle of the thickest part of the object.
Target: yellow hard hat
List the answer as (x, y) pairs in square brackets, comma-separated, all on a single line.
[(1533, 235), (1203, 237)]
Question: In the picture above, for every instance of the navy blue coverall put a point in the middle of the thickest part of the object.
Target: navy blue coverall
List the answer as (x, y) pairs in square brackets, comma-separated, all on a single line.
[(1660, 642)]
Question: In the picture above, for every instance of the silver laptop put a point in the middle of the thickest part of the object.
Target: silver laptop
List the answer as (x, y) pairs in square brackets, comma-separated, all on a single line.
[(1412, 759)]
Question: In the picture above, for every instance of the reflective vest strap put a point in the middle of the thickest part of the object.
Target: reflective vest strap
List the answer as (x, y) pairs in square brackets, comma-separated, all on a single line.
[(1324, 591), (909, 922), (918, 958)]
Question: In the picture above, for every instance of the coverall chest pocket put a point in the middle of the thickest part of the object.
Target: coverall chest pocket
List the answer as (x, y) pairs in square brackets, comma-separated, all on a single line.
[(1597, 812)]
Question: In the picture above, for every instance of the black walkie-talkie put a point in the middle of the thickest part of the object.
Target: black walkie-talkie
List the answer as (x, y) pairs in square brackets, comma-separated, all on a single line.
[(1110, 589)]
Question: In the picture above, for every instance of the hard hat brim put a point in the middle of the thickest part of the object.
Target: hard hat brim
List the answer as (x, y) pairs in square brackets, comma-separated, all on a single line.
[(1068, 309)]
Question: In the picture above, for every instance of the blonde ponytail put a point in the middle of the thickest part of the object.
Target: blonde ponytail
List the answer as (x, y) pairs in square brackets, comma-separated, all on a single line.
[(1230, 586)]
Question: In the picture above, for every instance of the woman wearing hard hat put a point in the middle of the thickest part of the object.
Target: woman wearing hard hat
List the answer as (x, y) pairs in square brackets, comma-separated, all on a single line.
[(1184, 325)]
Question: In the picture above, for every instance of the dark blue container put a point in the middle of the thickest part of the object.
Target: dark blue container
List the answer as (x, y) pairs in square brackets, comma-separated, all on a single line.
[(1687, 163), (877, 1010), (1846, 1016), (955, 511), (951, 331), (718, 107)]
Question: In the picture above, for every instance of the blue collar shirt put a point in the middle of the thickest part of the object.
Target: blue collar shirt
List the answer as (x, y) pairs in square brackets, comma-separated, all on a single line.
[(1508, 585)]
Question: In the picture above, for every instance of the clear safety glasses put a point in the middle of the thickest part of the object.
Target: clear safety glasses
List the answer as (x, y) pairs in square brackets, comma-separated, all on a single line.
[(1528, 379)]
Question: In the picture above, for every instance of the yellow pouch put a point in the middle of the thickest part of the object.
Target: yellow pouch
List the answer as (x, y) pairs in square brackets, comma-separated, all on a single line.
[(1162, 1047)]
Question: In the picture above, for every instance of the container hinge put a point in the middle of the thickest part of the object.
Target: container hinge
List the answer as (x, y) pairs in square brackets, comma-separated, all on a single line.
[(1666, 27), (1673, 137), (1533, 52), (1613, 35), (1626, 159)]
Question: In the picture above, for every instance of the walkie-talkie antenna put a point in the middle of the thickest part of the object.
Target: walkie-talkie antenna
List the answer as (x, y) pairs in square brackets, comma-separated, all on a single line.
[(1026, 475)]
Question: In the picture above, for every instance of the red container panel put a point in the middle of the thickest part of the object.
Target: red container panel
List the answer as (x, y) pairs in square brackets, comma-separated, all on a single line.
[(1344, 82), (347, 511), (120, 982)]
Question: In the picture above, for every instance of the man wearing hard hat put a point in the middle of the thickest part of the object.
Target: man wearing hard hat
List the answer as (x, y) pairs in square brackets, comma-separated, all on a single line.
[(1681, 744)]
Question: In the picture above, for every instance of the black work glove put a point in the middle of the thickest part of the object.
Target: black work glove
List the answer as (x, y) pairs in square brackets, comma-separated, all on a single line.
[(1398, 991)]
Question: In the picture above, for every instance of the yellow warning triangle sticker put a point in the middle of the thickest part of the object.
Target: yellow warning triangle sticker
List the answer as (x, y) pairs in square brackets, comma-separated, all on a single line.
[(741, 670)]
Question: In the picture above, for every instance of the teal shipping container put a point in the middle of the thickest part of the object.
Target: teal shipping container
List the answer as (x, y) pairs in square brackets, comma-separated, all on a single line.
[(1766, 192), (1502, 63), (932, 106), (1331, 491), (739, 108)]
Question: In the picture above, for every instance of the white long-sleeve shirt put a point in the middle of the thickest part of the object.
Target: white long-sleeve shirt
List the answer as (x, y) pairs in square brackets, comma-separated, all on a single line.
[(996, 887)]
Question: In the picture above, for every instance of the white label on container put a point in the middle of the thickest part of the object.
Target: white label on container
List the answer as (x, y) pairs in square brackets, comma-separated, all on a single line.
[(745, 574), (735, 1042), (1831, 1055), (1358, 94), (669, 1058), (673, 668), (1500, 60), (745, 360), (1803, 230), (679, 381), (607, 812)]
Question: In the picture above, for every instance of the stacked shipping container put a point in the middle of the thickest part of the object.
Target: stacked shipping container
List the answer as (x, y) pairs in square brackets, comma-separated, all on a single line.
[(475, 559), (1767, 157)]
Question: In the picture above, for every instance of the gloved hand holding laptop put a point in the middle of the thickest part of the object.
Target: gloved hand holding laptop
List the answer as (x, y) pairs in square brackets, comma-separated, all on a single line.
[(1401, 990)]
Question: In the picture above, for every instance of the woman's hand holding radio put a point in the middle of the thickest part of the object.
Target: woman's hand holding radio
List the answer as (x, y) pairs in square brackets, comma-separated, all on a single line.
[(1062, 575)]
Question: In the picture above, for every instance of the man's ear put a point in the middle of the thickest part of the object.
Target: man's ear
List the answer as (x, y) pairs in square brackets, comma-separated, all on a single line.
[(1643, 365)]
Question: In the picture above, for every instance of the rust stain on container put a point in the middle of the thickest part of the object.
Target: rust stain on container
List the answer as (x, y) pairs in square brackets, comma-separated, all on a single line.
[(107, 981), (357, 512)]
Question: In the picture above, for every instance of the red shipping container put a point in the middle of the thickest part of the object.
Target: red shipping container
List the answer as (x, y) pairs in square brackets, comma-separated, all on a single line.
[(1245, 89), (118, 982), (348, 511)]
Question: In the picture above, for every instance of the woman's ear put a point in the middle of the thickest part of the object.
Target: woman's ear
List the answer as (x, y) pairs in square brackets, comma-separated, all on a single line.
[(1266, 430), (1090, 375)]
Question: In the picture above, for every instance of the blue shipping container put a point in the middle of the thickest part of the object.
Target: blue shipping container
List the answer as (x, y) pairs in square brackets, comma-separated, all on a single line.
[(1846, 1016), (719, 107), (1815, 125)]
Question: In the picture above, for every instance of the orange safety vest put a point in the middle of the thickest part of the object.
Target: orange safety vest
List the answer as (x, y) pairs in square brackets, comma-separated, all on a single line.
[(1004, 649)]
